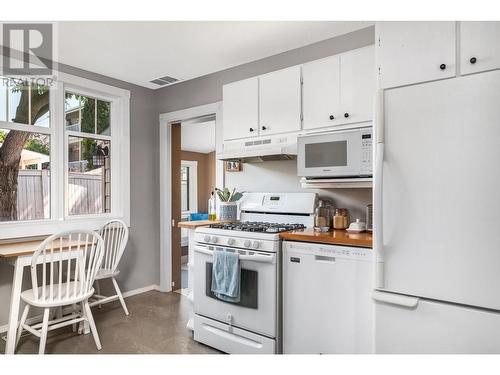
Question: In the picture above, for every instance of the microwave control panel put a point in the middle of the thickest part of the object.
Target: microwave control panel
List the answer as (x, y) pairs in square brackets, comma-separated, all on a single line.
[(366, 151)]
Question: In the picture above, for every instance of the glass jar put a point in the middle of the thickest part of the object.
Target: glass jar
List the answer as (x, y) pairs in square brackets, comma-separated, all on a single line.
[(322, 217), (341, 218)]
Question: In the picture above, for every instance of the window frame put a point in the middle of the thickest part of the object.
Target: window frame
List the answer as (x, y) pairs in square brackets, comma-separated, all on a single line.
[(192, 186), (120, 160)]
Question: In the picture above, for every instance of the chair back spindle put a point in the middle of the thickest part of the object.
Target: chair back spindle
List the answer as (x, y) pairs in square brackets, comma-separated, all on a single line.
[(115, 236), (68, 266)]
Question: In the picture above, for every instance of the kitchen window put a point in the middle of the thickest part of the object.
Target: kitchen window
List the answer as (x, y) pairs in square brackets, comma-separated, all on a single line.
[(189, 187), (64, 155)]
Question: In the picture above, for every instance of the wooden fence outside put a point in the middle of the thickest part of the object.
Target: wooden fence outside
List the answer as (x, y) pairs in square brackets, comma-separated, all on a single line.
[(85, 194)]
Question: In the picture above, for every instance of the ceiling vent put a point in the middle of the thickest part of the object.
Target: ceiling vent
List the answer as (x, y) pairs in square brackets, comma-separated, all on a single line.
[(164, 81)]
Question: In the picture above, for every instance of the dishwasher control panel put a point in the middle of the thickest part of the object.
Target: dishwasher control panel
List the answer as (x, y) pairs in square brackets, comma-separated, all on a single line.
[(345, 252)]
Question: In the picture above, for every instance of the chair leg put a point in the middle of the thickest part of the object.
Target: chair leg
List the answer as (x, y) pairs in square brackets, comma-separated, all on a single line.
[(93, 329), (98, 289), (120, 296), (23, 320), (75, 309), (45, 327)]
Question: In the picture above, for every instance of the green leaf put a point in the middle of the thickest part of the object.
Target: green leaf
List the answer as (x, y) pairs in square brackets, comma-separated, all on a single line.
[(236, 197)]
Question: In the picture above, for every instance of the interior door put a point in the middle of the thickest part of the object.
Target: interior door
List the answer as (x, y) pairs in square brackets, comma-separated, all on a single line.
[(479, 46), (280, 101), (357, 85), (241, 109), (321, 93), (413, 52), (440, 190), (432, 327), (176, 205)]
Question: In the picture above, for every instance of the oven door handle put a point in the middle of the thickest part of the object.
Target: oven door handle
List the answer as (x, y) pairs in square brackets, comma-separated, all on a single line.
[(253, 258)]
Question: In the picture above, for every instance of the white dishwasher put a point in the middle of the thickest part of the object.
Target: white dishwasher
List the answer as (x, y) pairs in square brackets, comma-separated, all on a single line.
[(327, 306)]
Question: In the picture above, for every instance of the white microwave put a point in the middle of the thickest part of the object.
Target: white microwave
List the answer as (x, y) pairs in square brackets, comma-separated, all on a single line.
[(341, 153)]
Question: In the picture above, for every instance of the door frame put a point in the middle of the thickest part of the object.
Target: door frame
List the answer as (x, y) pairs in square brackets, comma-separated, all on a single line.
[(165, 172)]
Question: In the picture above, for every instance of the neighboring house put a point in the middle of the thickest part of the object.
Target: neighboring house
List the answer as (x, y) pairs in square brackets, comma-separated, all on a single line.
[(32, 159)]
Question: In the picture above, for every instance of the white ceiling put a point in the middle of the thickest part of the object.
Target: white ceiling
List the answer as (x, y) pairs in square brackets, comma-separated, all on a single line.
[(198, 137), (139, 52)]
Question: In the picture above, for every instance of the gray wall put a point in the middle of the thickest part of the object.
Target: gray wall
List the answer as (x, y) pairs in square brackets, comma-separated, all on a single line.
[(139, 266), (279, 175), (208, 89)]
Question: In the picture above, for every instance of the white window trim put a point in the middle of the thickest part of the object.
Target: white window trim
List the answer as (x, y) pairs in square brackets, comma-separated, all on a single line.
[(193, 186), (120, 161)]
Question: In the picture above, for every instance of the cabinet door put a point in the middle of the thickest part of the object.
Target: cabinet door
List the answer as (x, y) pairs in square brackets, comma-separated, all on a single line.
[(357, 85), (240, 109), (413, 52), (479, 46), (321, 93), (280, 101)]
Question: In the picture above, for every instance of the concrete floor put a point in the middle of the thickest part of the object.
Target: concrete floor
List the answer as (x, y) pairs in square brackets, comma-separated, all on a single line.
[(156, 324)]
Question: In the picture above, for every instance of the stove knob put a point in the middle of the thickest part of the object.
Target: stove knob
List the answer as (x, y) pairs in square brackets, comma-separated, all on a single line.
[(214, 239), (247, 243), (255, 244), (206, 238), (230, 241)]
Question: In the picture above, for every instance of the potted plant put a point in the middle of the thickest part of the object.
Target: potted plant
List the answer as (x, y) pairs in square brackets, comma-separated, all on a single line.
[(228, 204)]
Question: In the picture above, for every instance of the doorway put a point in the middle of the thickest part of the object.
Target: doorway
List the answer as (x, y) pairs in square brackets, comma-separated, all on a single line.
[(189, 142)]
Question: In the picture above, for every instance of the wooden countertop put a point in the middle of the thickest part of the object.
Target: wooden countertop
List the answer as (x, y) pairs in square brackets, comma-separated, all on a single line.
[(196, 223), (334, 237)]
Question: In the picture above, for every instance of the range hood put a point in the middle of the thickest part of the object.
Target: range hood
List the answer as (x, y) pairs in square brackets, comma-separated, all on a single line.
[(259, 150)]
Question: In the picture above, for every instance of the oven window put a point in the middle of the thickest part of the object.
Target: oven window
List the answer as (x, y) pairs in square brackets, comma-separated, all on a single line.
[(249, 286), (326, 154)]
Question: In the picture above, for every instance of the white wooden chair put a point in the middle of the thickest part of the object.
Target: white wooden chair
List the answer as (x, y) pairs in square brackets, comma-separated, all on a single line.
[(115, 237), (63, 271)]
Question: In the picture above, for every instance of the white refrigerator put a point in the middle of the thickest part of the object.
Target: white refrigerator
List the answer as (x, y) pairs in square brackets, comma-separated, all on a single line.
[(437, 223)]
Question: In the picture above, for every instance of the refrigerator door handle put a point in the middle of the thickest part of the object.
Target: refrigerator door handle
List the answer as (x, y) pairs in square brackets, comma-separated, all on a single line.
[(395, 299), (377, 191)]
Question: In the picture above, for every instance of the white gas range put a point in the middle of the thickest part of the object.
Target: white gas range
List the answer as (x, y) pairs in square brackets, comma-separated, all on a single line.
[(253, 325)]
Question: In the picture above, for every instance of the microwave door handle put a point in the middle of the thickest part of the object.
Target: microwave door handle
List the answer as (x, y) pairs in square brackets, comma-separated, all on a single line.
[(253, 257)]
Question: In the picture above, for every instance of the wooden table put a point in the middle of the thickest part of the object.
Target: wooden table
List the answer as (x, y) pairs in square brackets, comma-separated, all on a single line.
[(19, 255), (191, 227)]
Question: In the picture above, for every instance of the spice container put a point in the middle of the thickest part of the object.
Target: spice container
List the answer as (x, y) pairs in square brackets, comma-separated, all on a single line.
[(341, 218), (323, 217)]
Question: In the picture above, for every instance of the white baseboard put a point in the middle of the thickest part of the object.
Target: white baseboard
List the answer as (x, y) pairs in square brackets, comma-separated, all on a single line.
[(38, 318)]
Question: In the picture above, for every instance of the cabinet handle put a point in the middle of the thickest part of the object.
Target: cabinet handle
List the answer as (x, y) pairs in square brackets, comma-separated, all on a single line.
[(264, 128), (473, 60), (442, 66), (346, 115), (331, 117), (251, 130)]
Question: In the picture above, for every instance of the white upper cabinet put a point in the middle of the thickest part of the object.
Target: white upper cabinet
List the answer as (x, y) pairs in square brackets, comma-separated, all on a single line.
[(413, 52), (357, 85), (241, 109), (479, 46), (280, 101), (339, 90), (321, 93)]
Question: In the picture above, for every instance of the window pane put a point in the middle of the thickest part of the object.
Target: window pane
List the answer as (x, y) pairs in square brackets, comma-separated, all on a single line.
[(72, 111), (18, 103), (103, 117), (184, 188), (40, 114), (27, 195), (88, 114), (3, 101), (89, 176)]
